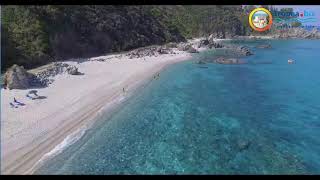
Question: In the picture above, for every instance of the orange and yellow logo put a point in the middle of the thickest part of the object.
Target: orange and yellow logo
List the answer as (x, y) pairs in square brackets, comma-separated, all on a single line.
[(260, 19)]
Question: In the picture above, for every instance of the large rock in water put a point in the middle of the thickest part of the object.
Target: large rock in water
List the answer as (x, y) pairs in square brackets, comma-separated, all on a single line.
[(244, 50), (215, 45), (223, 60), (17, 78)]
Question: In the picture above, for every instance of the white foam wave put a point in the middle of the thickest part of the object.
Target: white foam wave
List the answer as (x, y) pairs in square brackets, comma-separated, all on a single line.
[(69, 140)]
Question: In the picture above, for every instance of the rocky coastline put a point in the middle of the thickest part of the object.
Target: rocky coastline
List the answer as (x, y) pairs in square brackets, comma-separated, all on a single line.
[(17, 77)]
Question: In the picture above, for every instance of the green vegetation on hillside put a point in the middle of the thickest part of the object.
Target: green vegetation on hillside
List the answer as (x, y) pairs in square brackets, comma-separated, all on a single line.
[(36, 35)]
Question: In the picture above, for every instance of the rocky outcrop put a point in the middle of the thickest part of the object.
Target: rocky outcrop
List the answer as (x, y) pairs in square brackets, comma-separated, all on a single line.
[(200, 62), (221, 60), (164, 50), (17, 77), (73, 70), (44, 77), (183, 46), (216, 45), (142, 52), (210, 42), (297, 33), (244, 50), (187, 47)]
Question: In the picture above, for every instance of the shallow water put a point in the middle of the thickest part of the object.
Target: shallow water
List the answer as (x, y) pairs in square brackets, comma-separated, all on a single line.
[(223, 119)]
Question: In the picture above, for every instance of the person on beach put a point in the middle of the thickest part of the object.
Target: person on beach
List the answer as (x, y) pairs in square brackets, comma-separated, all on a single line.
[(12, 105), (123, 90), (17, 102)]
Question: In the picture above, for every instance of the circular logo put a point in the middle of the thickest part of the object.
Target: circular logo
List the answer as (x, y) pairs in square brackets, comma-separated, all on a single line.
[(260, 19)]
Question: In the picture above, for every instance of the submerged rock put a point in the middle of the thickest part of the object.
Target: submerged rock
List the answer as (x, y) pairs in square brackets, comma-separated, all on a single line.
[(150, 51), (17, 77), (200, 62), (164, 50), (264, 46), (187, 47)]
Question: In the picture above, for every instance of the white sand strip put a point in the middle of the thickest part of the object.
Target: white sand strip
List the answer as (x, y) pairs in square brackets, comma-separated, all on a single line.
[(72, 101)]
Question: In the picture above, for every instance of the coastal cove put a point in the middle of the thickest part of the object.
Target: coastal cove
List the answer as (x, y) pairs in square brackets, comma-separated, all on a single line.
[(160, 89), (254, 118), (71, 103)]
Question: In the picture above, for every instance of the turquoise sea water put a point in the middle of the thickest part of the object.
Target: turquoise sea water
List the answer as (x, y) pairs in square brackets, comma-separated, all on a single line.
[(223, 119)]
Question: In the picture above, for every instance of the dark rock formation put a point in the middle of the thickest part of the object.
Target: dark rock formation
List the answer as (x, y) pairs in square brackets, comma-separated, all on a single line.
[(183, 46), (73, 70), (17, 78), (244, 50), (243, 144), (203, 43), (150, 51), (210, 42)]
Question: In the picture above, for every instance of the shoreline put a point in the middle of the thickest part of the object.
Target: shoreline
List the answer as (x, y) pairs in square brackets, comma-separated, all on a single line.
[(27, 147), (112, 106), (44, 134)]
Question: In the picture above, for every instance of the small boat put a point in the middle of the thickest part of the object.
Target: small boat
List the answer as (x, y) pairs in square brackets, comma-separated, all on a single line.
[(290, 61)]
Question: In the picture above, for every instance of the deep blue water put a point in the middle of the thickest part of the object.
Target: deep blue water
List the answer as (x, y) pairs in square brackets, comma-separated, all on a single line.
[(224, 119)]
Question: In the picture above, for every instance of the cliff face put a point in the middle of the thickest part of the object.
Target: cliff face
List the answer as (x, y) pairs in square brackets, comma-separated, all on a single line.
[(36, 35)]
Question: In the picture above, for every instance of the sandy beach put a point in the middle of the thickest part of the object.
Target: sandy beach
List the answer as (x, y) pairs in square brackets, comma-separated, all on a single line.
[(29, 133)]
